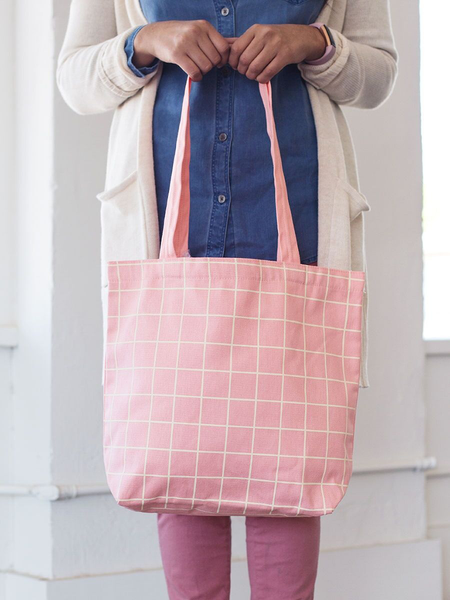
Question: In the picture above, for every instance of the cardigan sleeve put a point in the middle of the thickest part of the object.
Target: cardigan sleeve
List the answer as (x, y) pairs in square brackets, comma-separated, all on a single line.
[(92, 72), (363, 71)]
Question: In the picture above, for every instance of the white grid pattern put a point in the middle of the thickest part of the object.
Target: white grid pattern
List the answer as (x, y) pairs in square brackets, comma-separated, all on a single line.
[(199, 394), (256, 399), (227, 424)]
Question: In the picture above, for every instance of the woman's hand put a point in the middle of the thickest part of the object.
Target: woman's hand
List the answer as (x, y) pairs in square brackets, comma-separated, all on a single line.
[(195, 46), (263, 50)]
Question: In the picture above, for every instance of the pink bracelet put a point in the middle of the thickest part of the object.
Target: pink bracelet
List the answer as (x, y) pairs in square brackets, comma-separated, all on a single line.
[(330, 50)]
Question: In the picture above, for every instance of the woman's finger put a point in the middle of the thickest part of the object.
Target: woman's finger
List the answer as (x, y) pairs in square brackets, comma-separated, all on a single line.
[(271, 69), (220, 43), (210, 50), (190, 68), (197, 55), (260, 62), (250, 54), (238, 46)]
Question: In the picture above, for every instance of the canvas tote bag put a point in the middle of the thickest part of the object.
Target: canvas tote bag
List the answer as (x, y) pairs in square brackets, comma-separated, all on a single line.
[(231, 384)]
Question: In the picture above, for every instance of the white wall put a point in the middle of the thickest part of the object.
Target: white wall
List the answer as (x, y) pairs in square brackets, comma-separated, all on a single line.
[(7, 288), (438, 443), (88, 546), (7, 102)]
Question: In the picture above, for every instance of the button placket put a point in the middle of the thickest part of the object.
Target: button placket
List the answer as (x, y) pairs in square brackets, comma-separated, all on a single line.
[(221, 149)]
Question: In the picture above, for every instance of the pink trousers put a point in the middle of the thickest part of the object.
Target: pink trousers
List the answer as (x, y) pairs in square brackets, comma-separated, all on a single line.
[(282, 556)]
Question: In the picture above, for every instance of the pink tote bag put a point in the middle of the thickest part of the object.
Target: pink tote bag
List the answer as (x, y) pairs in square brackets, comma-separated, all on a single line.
[(231, 384)]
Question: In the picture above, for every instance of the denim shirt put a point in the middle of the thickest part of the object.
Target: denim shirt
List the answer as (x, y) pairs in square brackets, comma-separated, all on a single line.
[(232, 210)]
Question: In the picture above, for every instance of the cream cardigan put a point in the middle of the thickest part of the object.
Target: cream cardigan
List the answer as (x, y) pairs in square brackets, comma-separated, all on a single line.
[(93, 77)]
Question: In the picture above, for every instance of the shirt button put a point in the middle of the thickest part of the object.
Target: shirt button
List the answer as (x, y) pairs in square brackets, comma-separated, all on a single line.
[(225, 11), (225, 71), (223, 137), (221, 198)]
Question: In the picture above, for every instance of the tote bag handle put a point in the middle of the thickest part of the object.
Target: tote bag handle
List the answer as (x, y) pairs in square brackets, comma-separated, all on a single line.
[(174, 241)]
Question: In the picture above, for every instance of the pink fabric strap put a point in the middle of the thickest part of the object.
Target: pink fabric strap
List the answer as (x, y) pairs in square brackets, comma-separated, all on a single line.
[(174, 241)]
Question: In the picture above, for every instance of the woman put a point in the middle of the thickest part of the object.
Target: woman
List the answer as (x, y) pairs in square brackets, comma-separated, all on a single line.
[(133, 56)]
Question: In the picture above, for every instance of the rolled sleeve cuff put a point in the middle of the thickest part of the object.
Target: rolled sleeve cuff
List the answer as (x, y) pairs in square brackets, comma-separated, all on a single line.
[(113, 69), (129, 51), (321, 75)]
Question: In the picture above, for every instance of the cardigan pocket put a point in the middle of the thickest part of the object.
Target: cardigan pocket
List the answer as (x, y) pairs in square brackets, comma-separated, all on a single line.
[(348, 204), (123, 235), (357, 200)]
